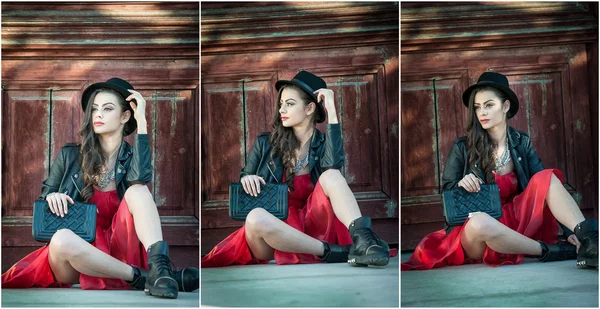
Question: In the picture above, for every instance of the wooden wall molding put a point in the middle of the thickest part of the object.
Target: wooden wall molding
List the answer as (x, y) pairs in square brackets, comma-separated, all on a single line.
[(481, 25), (115, 30), (252, 27)]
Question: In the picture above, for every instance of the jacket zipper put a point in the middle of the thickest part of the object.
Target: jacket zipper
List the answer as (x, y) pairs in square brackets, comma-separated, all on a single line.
[(273, 174), (76, 187)]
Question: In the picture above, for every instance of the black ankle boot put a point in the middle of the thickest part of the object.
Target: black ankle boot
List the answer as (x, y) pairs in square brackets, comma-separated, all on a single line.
[(334, 253), (139, 278), (560, 251), (160, 280), (587, 234), (367, 249), (188, 279)]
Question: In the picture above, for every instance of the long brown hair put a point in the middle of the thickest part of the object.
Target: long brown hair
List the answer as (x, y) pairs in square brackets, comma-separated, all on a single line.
[(283, 140), (479, 143), (92, 157)]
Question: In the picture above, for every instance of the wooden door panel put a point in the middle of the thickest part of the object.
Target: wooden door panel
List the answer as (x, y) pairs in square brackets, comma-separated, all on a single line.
[(541, 115), (259, 103), (360, 131), (451, 115), (27, 152), (223, 130), (66, 119), (418, 138), (173, 180)]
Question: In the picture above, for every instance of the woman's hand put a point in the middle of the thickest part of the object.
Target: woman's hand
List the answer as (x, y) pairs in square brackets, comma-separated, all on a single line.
[(470, 183), (573, 240), (251, 184), (326, 96), (58, 203), (139, 107)]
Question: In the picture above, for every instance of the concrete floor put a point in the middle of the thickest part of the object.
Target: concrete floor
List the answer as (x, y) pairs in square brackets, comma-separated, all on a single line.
[(76, 297), (307, 285), (531, 284)]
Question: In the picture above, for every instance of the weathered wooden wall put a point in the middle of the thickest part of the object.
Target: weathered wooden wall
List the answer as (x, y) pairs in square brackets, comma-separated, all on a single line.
[(247, 47), (548, 52), (50, 54)]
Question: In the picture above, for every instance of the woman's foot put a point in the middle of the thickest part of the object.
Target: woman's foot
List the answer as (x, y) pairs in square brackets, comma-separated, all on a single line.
[(188, 279), (160, 281), (334, 253), (560, 251), (587, 234), (367, 249)]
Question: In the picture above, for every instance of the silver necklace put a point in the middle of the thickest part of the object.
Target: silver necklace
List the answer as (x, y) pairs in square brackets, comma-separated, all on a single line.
[(106, 175), (301, 162), (503, 159)]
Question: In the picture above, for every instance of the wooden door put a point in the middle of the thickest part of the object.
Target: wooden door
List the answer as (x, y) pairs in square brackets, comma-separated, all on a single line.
[(241, 67), (550, 81), (41, 105)]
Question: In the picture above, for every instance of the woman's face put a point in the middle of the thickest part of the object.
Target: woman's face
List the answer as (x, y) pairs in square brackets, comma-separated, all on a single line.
[(489, 109), (107, 113), (292, 110)]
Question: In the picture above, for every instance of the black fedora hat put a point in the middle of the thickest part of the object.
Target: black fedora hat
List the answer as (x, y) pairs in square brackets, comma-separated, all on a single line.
[(499, 82), (120, 86), (309, 83)]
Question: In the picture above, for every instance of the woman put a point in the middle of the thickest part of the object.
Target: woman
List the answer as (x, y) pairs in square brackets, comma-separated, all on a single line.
[(106, 170), (322, 209), (493, 152)]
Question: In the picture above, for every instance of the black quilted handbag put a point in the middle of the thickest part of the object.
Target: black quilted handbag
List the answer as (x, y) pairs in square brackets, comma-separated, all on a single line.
[(80, 218), (272, 197), (459, 203)]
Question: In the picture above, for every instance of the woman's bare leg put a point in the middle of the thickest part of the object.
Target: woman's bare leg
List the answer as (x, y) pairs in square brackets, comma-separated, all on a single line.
[(145, 214), (341, 197), (70, 255), (562, 205), (264, 232), (483, 229)]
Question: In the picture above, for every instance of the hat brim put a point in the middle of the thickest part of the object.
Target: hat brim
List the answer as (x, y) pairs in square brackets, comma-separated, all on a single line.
[(514, 101), (321, 115), (85, 98)]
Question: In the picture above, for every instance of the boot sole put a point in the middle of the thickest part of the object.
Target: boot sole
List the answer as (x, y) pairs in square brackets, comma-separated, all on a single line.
[(160, 293), (587, 263), (365, 261)]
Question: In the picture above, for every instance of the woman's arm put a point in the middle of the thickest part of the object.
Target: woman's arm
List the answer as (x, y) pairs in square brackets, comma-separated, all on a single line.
[(57, 172), (140, 169), (454, 168), (333, 156), (254, 158)]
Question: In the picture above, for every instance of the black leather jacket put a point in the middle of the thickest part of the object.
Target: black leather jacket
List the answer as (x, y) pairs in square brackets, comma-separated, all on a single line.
[(325, 152), (132, 167), (522, 153)]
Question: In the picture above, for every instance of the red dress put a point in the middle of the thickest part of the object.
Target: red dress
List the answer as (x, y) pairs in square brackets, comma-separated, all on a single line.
[(115, 235), (309, 211), (525, 213)]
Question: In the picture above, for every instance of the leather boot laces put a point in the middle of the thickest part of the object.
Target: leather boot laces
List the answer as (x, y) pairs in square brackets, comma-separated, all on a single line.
[(369, 237), (161, 262)]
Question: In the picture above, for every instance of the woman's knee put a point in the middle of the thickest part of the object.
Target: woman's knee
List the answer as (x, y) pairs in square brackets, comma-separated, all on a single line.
[(135, 190), (65, 243), (483, 226), (259, 221), (331, 177)]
